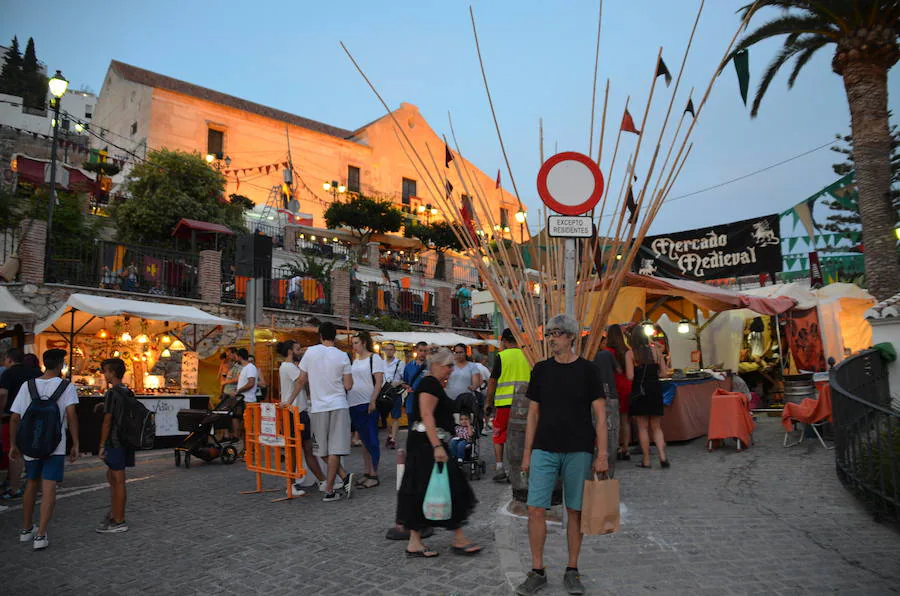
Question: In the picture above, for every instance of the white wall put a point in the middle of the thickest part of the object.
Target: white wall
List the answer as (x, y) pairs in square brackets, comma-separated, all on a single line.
[(888, 330), (77, 103)]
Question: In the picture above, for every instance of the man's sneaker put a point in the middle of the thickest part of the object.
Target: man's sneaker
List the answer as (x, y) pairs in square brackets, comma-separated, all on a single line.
[(329, 497), (40, 542), (297, 490), (348, 484), (533, 583), (572, 582), (501, 476), (26, 535), (111, 527), (3, 508)]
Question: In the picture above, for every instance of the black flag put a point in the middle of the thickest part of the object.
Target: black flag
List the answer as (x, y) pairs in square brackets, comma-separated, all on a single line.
[(448, 157), (449, 188), (690, 107), (662, 70), (632, 206)]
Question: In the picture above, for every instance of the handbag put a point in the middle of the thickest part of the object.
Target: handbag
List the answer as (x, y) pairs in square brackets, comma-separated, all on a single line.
[(600, 506), (384, 403), (437, 505)]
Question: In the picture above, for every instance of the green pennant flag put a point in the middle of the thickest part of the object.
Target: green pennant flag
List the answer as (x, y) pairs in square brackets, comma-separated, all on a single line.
[(792, 242), (742, 68), (796, 218), (789, 263), (804, 263)]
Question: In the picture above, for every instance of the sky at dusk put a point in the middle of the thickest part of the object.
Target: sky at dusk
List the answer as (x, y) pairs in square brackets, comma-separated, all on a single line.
[(539, 58)]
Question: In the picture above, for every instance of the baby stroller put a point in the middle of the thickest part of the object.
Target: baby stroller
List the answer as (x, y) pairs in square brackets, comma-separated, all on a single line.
[(471, 405), (202, 442)]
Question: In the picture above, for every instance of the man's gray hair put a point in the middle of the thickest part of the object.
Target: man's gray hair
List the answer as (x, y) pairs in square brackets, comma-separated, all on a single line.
[(566, 323)]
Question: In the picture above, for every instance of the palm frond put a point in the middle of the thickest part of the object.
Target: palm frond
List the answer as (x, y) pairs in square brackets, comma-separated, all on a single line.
[(786, 53), (787, 25), (804, 57)]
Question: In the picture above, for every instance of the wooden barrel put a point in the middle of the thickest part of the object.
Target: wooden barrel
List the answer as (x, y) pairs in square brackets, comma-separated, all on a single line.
[(798, 387)]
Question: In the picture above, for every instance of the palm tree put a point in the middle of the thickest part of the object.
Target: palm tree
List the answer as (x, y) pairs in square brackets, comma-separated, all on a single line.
[(865, 38)]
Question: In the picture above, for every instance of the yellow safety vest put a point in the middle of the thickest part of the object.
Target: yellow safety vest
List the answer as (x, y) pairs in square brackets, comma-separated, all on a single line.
[(514, 376)]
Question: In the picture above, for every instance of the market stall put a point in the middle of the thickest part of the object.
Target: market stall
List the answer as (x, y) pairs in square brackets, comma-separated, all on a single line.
[(155, 340)]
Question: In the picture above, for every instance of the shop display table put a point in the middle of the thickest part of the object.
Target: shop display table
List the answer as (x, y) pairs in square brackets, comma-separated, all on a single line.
[(687, 407), (165, 406), (729, 418)]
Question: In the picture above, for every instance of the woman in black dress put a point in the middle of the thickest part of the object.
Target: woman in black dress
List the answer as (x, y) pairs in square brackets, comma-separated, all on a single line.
[(427, 443), (646, 396)]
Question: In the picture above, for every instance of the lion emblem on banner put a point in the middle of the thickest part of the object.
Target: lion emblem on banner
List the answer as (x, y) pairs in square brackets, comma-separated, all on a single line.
[(647, 267), (763, 234)]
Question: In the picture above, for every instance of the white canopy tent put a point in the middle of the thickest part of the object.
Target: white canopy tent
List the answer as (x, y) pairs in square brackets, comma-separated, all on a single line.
[(11, 310), (441, 338), (84, 314)]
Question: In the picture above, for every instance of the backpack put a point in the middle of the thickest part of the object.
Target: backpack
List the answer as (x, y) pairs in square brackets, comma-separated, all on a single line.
[(40, 430), (137, 428)]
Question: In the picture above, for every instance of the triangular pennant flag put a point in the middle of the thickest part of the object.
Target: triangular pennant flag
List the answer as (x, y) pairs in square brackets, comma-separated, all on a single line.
[(260, 168), (789, 262), (285, 165), (742, 68), (628, 123), (792, 242), (449, 188), (237, 182), (497, 185), (662, 70), (804, 263), (631, 205), (690, 108), (468, 217), (448, 157)]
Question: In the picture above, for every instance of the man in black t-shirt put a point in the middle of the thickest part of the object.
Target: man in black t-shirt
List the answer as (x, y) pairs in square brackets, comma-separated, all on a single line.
[(565, 391), (12, 379), (113, 451)]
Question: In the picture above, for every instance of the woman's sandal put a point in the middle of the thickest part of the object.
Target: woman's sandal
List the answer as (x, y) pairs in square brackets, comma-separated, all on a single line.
[(664, 463), (369, 482), (466, 551), (422, 554), (642, 465)]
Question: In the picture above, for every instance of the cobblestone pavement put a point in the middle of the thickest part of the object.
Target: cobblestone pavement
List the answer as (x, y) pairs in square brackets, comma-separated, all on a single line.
[(767, 521)]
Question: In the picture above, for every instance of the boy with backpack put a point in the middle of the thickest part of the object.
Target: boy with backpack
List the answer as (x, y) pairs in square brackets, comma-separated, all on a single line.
[(114, 451), (40, 414)]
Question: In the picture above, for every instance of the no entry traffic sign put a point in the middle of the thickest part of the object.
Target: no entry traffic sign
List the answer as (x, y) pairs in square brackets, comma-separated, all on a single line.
[(570, 183)]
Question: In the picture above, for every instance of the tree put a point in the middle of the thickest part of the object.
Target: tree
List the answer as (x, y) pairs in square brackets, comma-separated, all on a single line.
[(168, 186), (241, 201), (11, 81), (364, 216), (438, 236), (72, 228), (34, 83), (846, 219), (865, 36)]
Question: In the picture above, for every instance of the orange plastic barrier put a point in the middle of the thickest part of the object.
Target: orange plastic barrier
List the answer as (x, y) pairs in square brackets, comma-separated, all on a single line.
[(240, 286), (273, 444)]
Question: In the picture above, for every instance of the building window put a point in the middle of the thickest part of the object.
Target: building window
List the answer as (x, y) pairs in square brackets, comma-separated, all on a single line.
[(504, 218), (352, 178), (409, 190), (215, 142), (88, 111), (134, 128)]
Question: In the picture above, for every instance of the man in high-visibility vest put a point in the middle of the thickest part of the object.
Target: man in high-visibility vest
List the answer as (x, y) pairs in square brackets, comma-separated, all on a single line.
[(508, 379)]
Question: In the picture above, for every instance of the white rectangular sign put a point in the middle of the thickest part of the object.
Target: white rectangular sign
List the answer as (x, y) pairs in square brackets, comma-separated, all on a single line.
[(566, 226), (268, 427)]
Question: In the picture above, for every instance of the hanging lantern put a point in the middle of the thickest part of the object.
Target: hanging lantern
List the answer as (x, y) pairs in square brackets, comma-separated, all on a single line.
[(649, 328), (103, 334), (142, 338), (126, 336), (177, 346), (166, 354), (684, 326), (166, 339)]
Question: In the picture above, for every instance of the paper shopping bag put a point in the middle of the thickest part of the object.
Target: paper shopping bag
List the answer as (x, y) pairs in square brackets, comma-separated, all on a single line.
[(600, 506)]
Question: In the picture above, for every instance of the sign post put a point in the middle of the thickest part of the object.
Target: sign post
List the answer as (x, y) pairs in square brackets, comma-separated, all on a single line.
[(570, 183)]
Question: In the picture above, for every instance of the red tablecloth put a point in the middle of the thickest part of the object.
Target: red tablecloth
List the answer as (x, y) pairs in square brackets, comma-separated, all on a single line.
[(729, 417), (688, 416)]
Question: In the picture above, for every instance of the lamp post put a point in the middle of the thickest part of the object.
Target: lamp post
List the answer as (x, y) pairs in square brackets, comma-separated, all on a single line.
[(216, 160), (521, 215), (334, 188), (58, 85)]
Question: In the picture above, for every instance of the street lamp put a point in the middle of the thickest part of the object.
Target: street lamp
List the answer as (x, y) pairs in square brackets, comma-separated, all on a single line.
[(58, 85), (216, 160), (334, 188), (521, 215)]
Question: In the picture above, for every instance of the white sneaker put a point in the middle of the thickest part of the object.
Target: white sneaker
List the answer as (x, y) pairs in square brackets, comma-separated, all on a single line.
[(348, 485), (338, 484), (297, 490), (3, 508), (26, 535), (40, 542)]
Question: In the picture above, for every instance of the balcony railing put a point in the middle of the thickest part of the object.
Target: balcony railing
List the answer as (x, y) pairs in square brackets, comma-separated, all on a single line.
[(124, 267), (462, 316), (374, 300), (283, 289), (867, 432)]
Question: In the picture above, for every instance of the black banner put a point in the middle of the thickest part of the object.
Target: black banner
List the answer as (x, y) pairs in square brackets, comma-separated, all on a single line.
[(748, 247)]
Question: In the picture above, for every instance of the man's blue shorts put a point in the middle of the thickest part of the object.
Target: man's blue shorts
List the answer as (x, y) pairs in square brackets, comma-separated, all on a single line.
[(48, 469), (119, 458), (397, 410), (547, 466)]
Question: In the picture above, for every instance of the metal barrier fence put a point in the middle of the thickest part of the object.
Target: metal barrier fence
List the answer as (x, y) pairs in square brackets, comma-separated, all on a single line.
[(124, 267), (867, 432), (371, 299)]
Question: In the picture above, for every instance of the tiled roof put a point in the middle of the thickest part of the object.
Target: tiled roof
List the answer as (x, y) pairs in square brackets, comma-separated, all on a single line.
[(885, 309), (153, 79)]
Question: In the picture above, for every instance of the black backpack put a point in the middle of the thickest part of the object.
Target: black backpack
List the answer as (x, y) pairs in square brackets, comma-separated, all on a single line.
[(137, 428), (40, 430)]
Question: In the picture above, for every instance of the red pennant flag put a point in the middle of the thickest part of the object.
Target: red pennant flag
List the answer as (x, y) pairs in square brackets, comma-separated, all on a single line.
[(628, 123), (237, 182), (497, 185), (448, 157), (260, 168), (267, 169), (285, 165), (449, 189), (467, 217)]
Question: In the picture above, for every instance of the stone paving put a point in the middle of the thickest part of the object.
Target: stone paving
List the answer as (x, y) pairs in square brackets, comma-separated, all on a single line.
[(767, 521)]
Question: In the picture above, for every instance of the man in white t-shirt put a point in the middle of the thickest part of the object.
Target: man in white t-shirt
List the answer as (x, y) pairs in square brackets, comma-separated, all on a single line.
[(246, 389), (292, 393), (327, 369), (44, 473)]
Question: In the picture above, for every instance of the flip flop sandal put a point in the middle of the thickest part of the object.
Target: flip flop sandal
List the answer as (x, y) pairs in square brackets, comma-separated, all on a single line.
[(422, 554), (368, 483), (465, 551)]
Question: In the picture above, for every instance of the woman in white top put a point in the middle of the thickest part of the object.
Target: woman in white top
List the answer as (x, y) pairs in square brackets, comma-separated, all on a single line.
[(368, 377)]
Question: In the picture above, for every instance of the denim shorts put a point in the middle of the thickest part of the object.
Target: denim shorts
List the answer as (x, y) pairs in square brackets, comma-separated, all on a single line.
[(397, 410), (119, 458), (547, 466), (48, 469)]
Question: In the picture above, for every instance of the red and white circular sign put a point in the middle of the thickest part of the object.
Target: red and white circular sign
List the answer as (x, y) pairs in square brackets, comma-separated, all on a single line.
[(570, 183)]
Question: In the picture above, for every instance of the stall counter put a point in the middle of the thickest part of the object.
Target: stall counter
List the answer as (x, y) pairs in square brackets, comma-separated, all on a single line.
[(687, 414), (165, 406)]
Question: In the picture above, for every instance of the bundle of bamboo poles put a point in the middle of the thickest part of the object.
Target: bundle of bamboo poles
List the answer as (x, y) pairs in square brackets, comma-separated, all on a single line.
[(528, 297)]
